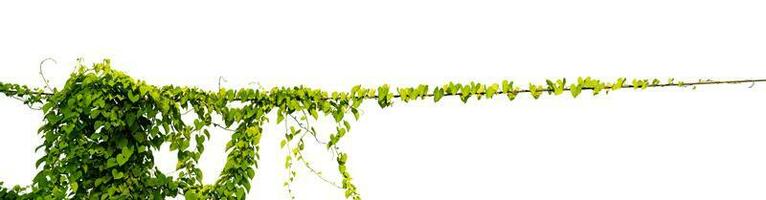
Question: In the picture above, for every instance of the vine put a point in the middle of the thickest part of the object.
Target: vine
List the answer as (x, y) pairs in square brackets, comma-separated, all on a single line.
[(100, 129)]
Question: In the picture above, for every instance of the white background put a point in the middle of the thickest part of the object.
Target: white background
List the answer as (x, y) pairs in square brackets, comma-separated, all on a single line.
[(656, 144)]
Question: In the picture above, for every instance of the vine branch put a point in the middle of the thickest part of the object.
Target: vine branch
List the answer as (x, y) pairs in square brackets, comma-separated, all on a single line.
[(700, 82)]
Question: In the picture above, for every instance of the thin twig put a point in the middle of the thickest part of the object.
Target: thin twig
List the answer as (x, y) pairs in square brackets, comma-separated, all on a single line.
[(314, 134), (23, 100), (220, 78), (42, 75), (187, 112), (317, 173), (301, 157), (223, 127)]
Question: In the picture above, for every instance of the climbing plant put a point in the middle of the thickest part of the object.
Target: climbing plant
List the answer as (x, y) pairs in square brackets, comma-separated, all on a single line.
[(100, 129)]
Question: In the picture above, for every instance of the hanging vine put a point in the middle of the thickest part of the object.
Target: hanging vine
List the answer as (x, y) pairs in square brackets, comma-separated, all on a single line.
[(100, 129)]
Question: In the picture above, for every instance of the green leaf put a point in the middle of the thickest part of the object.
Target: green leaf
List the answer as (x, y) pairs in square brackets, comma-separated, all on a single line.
[(121, 159), (355, 90), (575, 90), (559, 87), (133, 98), (314, 113), (280, 116), (465, 93), (111, 163), (438, 94), (404, 94), (250, 173), (619, 84), (534, 91), (596, 85), (47, 107), (453, 88), (68, 128), (511, 96), (287, 161), (191, 196), (655, 82), (491, 90), (551, 86), (117, 174), (383, 96), (506, 86), (422, 91), (74, 186)]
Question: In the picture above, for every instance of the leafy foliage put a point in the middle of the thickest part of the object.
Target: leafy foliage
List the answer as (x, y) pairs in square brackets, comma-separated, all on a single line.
[(100, 129)]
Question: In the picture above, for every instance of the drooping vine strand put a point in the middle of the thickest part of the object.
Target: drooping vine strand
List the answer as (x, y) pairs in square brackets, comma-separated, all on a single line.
[(100, 128)]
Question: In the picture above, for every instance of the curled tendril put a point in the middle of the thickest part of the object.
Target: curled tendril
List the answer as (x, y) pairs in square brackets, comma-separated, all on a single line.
[(42, 74), (221, 79)]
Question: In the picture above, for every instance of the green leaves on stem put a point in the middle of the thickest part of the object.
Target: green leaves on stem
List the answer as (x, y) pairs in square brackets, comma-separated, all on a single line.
[(101, 126)]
